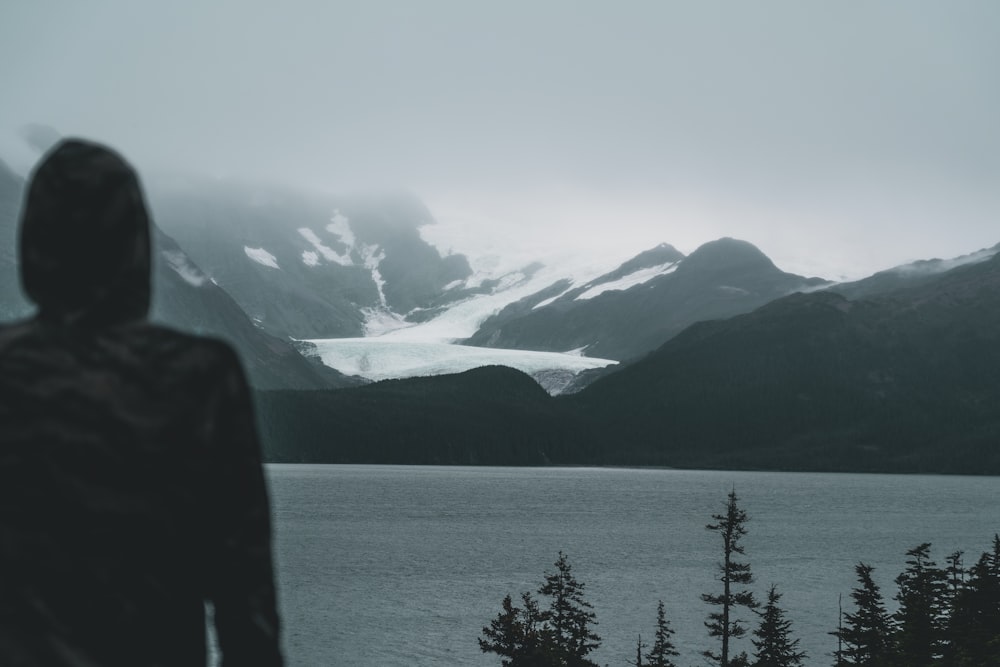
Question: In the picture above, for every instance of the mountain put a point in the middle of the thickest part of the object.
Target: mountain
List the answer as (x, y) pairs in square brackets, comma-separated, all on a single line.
[(636, 308), (909, 275), (905, 382), (183, 297), (902, 382), (309, 265)]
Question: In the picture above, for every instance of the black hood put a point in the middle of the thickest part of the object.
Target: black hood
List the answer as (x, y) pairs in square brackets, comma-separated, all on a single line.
[(84, 237)]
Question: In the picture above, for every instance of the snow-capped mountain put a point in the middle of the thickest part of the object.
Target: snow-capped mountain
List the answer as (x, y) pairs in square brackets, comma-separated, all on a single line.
[(644, 302), (356, 277), (354, 281)]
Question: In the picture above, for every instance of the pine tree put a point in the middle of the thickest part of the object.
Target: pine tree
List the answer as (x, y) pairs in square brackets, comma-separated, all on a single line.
[(560, 636), (733, 574), (919, 635), (569, 616), (974, 623), (774, 645), (639, 646), (505, 635), (956, 573), (866, 635), (663, 648)]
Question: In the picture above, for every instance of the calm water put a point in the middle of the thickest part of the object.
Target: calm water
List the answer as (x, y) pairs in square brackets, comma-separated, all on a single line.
[(382, 565)]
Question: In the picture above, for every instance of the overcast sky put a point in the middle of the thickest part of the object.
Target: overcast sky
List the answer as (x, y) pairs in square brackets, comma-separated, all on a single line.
[(839, 137)]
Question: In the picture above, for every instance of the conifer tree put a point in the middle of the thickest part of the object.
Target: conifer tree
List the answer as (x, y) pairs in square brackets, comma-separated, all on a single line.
[(866, 635), (558, 636), (733, 574), (775, 647), (919, 635), (639, 646), (663, 648), (569, 615), (956, 573), (974, 623), (507, 634)]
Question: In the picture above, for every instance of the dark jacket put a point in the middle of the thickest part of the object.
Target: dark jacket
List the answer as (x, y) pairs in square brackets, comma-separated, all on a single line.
[(131, 485)]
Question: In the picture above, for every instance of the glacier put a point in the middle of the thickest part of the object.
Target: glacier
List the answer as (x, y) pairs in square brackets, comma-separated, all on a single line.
[(385, 358)]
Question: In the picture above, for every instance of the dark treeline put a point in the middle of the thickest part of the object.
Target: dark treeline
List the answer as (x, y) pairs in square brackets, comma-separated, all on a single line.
[(946, 616)]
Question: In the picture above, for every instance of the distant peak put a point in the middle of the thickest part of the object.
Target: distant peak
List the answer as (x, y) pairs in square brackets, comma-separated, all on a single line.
[(725, 254)]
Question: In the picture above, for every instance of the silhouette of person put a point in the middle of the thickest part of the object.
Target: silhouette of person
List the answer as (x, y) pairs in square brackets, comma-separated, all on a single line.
[(131, 486)]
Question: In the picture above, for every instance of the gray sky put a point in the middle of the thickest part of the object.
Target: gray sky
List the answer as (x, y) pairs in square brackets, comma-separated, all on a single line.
[(840, 137)]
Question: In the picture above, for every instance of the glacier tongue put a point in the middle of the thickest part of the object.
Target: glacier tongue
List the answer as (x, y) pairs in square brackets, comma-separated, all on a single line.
[(382, 358)]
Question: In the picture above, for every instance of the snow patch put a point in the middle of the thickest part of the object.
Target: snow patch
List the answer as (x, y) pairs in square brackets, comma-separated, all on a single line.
[(631, 280), (341, 226), (261, 256), (729, 289), (384, 359), (310, 258), (453, 284), (178, 261), (328, 253), (372, 257)]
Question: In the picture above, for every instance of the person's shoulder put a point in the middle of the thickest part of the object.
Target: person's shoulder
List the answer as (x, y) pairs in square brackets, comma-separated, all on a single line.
[(12, 331), (183, 348)]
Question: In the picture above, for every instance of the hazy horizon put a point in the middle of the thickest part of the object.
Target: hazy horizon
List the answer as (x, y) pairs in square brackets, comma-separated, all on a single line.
[(840, 139)]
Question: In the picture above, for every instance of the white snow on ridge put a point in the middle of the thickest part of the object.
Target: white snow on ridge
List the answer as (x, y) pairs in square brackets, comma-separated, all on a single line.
[(373, 257), (328, 253), (464, 318), (341, 226), (178, 262), (261, 256), (383, 358), (631, 280), (542, 304)]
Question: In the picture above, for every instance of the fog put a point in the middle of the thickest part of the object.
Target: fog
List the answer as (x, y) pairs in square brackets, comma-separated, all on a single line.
[(841, 138)]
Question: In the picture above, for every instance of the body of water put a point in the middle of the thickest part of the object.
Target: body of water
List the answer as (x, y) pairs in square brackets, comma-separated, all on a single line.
[(386, 565)]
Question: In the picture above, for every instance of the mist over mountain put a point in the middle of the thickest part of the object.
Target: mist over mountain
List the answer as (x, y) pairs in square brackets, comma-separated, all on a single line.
[(305, 265)]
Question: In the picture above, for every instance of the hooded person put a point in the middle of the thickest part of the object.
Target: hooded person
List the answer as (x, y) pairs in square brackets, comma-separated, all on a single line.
[(131, 486)]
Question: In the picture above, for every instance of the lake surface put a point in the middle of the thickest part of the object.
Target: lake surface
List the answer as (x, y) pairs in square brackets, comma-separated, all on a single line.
[(385, 565)]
